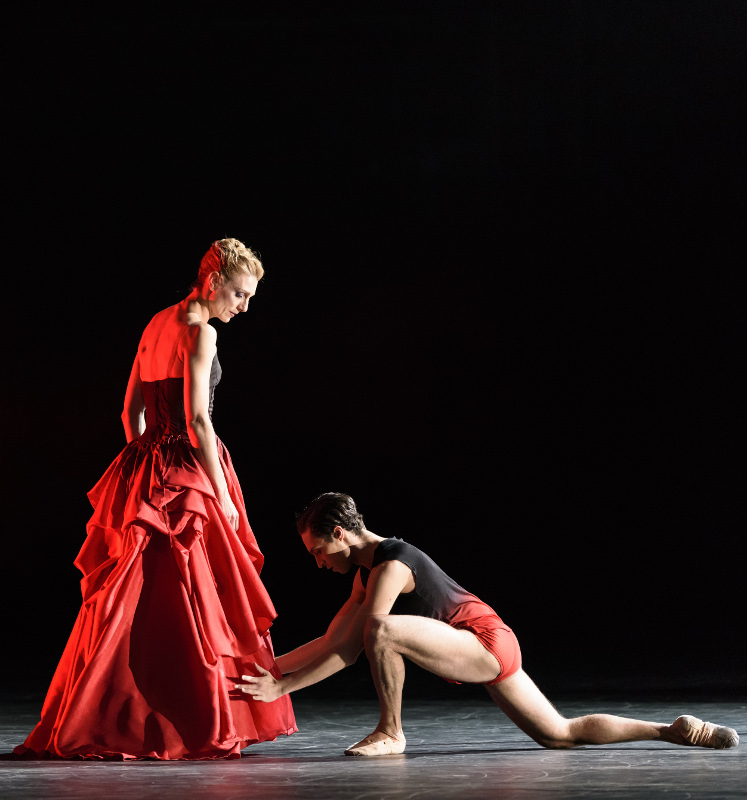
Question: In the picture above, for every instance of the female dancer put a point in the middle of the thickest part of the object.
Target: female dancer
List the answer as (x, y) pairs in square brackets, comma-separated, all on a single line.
[(173, 607)]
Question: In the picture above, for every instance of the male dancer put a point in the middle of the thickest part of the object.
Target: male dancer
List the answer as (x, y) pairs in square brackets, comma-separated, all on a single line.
[(403, 604)]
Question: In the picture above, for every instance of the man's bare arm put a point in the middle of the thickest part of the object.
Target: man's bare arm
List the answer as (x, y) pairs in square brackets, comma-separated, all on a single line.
[(306, 653), (384, 586)]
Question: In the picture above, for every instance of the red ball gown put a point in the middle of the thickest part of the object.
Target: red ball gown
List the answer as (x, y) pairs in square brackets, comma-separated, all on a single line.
[(173, 611)]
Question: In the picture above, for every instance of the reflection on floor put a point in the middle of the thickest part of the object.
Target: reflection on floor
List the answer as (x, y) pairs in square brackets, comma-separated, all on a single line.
[(456, 749)]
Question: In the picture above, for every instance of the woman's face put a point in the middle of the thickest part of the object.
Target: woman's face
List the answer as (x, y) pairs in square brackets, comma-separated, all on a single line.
[(230, 298)]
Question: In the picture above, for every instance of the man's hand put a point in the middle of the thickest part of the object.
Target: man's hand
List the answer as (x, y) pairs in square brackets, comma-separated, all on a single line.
[(265, 687)]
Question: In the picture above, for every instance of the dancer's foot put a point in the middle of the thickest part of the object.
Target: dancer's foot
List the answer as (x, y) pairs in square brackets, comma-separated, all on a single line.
[(696, 733), (378, 743)]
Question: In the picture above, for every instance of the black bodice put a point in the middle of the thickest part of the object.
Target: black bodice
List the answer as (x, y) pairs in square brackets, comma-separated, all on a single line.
[(436, 595), (164, 404)]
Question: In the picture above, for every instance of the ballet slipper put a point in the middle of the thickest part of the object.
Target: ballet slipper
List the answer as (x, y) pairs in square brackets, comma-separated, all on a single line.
[(391, 745), (697, 733)]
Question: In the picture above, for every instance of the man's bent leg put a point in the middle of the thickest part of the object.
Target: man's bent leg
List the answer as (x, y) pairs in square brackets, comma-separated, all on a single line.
[(448, 652), (433, 645), (388, 672)]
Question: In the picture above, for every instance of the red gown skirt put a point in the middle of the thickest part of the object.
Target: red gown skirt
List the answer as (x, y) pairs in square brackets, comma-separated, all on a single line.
[(173, 613)]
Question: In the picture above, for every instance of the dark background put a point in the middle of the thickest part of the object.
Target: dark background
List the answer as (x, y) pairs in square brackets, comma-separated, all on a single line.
[(503, 304)]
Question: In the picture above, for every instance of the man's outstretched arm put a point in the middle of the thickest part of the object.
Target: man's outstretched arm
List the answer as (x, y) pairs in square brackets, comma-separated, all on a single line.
[(384, 586), (336, 632)]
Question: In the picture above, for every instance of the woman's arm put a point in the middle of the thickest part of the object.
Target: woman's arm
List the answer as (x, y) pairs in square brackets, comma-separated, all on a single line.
[(199, 350), (133, 415)]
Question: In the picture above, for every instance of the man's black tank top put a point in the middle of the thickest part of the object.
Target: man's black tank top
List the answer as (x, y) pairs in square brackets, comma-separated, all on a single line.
[(436, 595)]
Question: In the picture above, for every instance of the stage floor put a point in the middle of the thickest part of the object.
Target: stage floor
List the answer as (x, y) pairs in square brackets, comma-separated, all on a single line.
[(455, 750)]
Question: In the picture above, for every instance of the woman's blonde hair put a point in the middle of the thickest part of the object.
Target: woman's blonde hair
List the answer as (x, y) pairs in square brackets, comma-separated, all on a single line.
[(230, 257)]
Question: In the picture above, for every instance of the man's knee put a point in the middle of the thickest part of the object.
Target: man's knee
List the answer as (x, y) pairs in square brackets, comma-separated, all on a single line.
[(555, 743), (378, 631), (556, 737), (550, 730)]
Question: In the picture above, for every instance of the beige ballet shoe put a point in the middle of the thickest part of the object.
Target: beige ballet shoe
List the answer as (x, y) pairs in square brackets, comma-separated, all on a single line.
[(384, 747), (697, 733)]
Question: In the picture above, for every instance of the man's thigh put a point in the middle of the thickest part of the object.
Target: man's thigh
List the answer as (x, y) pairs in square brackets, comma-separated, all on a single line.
[(450, 653)]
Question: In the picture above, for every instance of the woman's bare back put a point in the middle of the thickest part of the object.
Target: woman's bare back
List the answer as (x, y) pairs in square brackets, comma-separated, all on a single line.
[(161, 348)]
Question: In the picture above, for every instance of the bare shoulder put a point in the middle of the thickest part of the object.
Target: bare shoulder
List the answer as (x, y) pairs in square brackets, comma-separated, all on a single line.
[(388, 572), (392, 567), (391, 575), (199, 338), (157, 326)]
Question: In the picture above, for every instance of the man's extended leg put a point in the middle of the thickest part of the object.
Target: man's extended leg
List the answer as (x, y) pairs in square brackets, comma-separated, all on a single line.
[(525, 705)]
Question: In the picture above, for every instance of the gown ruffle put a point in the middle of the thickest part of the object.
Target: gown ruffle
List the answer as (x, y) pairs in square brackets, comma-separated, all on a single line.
[(173, 613)]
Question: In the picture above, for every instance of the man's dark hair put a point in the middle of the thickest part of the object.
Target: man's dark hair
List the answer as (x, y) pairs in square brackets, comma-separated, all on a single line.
[(323, 513)]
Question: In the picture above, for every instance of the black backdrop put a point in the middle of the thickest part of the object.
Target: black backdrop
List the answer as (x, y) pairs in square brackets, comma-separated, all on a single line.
[(503, 308)]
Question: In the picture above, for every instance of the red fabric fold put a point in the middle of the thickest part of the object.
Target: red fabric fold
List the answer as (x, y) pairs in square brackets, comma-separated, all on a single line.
[(173, 612)]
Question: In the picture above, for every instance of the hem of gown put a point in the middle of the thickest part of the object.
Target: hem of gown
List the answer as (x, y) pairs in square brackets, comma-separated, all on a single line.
[(132, 496), (21, 752)]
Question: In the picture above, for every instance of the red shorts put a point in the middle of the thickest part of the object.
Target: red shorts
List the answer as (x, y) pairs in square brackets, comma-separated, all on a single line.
[(498, 639)]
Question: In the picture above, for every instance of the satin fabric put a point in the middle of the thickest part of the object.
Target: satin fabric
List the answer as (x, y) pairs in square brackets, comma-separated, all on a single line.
[(173, 613)]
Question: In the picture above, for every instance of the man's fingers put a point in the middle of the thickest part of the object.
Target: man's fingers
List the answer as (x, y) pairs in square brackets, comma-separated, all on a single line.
[(252, 690)]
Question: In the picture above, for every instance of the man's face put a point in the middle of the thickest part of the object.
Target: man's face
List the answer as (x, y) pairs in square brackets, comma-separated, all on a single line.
[(334, 555)]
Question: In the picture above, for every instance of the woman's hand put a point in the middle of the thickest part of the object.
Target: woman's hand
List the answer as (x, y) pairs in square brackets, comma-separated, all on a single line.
[(265, 687), (229, 509)]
